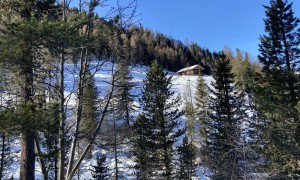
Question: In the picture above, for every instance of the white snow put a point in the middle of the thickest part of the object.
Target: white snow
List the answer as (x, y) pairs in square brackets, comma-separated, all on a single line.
[(102, 79)]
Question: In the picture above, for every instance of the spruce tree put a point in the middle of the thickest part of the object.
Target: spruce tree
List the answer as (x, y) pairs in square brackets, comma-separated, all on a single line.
[(225, 117), (277, 89), (186, 153), (157, 125), (143, 147), (123, 94), (202, 115), (101, 170), (50, 140), (190, 114), (89, 111)]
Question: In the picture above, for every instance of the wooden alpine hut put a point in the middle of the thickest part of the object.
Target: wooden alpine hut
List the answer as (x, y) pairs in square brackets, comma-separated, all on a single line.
[(191, 71)]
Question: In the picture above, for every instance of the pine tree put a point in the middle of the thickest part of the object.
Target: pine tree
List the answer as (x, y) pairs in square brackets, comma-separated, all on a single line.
[(225, 117), (157, 125), (21, 41), (186, 153), (277, 89)]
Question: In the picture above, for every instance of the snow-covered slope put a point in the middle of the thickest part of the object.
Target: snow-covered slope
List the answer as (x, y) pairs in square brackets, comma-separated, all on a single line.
[(102, 78)]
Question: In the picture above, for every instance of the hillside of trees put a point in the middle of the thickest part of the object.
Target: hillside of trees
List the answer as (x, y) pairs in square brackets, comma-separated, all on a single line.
[(57, 115)]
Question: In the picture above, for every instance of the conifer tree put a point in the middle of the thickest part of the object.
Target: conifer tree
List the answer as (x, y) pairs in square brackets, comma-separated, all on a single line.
[(101, 170), (277, 89), (25, 34), (142, 147), (157, 125), (89, 109), (190, 114), (202, 115), (122, 94), (186, 153), (224, 123)]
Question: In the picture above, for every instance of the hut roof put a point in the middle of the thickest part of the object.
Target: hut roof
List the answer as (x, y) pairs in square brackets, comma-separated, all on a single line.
[(190, 68)]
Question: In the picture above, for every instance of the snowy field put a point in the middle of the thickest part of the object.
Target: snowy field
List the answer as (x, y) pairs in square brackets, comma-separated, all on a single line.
[(102, 77)]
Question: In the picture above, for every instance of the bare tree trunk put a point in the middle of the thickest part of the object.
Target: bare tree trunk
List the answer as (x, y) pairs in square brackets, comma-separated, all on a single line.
[(61, 133), (87, 148), (83, 62), (2, 155), (115, 150), (41, 159), (56, 162)]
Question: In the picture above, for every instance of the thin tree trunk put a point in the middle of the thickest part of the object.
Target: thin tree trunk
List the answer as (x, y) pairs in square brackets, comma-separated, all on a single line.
[(55, 161), (41, 159), (86, 150), (61, 133), (79, 108), (115, 150), (2, 155)]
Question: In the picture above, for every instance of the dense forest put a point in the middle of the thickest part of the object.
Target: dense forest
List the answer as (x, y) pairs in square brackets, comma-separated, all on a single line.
[(70, 104)]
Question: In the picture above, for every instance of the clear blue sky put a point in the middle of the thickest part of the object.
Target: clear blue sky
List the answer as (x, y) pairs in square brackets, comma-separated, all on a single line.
[(209, 23)]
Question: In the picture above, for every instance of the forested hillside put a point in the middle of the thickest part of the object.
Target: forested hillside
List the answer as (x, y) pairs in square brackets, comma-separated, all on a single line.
[(84, 96)]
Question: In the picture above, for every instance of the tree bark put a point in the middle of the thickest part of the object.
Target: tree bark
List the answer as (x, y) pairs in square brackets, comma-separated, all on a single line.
[(27, 155), (61, 133), (2, 155), (87, 148), (27, 164), (83, 61), (41, 158)]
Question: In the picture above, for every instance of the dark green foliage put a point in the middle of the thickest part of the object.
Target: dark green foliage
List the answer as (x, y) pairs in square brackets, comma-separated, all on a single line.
[(123, 96), (50, 140), (89, 110), (142, 147), (101, 170), (186, 153), (225, 117), (277, 90), (141, 45), (155, 128), (202, 114), (190, 114)]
